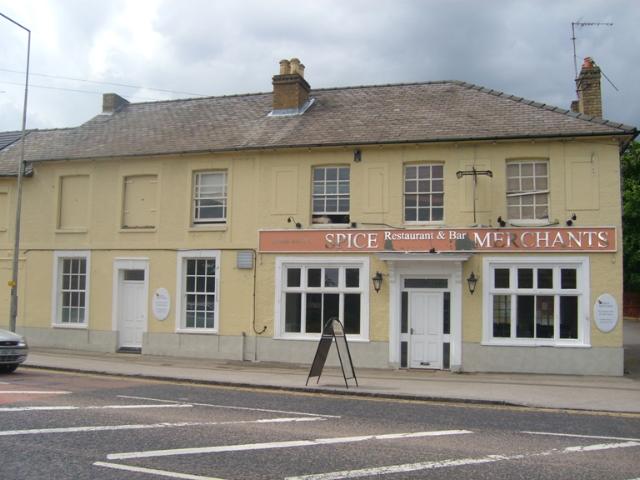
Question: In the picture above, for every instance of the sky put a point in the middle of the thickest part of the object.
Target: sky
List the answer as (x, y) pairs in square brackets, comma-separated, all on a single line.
[(167, 49)]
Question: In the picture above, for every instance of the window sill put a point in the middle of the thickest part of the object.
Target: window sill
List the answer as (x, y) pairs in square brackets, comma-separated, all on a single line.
[(138, 230), (520, 343), (71, 326), (316, 338), (209, 227), (528, 223), (439, 223), (328, 226), (72, 230), (197, 331)]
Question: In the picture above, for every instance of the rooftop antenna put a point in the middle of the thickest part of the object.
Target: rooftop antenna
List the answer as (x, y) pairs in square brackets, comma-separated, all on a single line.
[(573, 39)]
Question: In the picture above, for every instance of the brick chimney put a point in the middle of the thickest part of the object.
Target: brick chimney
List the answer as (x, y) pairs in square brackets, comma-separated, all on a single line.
[(290, 89), (589, 91), (112, 102)]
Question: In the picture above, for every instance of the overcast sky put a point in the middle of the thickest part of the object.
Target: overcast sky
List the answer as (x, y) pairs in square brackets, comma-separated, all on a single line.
[(221, 47)]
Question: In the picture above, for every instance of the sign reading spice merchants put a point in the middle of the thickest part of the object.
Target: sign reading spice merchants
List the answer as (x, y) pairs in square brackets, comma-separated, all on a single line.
[(587, 239)]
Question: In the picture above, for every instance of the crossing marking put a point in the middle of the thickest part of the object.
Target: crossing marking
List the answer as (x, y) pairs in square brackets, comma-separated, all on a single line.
[(412, 467), (91, 407), (103, 428), (153, 471), (272, 445), (233, 407), (34, 392), (573, 435)]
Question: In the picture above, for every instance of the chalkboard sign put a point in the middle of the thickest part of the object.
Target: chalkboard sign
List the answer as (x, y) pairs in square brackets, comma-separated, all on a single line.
[(333, 329)]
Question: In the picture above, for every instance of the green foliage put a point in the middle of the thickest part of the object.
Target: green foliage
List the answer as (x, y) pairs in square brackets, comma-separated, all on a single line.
[(631, 216)]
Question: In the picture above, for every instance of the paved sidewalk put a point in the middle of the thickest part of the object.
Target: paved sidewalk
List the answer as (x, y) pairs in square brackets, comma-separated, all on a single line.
[(612, 394)]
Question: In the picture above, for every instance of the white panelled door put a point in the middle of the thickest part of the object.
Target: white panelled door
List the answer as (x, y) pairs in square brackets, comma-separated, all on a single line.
[(426, 322), (132, 308)]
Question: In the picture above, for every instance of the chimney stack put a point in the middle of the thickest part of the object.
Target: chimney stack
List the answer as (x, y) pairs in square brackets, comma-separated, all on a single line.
[(112, 102), (290, 89), (589, 91)]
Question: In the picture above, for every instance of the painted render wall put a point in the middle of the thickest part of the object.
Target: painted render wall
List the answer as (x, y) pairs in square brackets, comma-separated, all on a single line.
[(264, 189)]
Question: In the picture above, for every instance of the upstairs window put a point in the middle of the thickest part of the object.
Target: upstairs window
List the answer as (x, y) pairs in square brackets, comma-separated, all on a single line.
[(528, 190), (423, 193), (330, 201), (209, 197), (73, 202), (140, 197)]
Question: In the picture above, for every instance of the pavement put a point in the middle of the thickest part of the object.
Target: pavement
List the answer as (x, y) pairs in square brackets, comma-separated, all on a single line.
[(572, 392)]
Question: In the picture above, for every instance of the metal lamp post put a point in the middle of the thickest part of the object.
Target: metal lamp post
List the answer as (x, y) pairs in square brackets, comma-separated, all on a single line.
[(16, 249)]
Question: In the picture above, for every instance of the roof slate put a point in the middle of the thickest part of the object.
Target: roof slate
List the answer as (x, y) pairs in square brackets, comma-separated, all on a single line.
[(402, 113)]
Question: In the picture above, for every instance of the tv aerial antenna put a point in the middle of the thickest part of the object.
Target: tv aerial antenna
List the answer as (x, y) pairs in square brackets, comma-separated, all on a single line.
[(573, 39)]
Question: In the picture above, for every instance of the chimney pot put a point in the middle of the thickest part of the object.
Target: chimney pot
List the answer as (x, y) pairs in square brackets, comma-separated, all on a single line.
[(284, 67), (295, 66)]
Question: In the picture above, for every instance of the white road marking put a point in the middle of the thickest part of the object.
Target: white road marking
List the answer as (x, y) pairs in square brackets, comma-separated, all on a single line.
[(101, 407), (412, 467), (102, 428), (602, 446), (583, 436), (271, 445), (34, 392), (232, 407), (135, 397), (153, 471)]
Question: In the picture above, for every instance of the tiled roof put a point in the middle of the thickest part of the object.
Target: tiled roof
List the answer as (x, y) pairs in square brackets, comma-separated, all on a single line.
[(403, 113), (7, 138), (8, 168)]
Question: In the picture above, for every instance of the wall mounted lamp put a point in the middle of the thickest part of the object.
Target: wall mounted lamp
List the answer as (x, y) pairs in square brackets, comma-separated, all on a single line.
[(472, 281), (377, 281), (571, 220), (501, 222), (357, 155), (293, 220)]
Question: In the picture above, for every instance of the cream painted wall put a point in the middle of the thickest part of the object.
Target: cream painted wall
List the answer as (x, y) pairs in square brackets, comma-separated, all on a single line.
[(264, 189)]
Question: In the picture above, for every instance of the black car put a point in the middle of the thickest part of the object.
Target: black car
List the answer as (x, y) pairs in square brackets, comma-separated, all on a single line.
[(13, 351)]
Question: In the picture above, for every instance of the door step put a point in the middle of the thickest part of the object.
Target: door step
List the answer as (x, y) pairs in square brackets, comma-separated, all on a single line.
[(136, 350)]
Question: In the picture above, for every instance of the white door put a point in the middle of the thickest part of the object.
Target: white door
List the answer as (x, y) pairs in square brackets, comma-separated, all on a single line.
[(425, 320), (132, 311)]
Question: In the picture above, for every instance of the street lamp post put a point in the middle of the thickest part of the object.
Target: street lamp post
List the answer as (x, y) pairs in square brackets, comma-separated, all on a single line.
[(16, 248)]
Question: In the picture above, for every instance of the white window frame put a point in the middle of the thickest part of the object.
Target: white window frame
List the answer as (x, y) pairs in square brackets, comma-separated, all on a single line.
[(181, 287), (326, 195), (419, 193), (56, 303), (533, 193), (195, 197), (282, 263), (581, 264)]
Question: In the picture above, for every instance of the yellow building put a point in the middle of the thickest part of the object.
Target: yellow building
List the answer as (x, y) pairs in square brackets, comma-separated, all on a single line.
[(448, 226)]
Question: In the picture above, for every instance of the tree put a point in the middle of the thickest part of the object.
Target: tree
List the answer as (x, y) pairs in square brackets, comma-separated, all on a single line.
[(631, 216)]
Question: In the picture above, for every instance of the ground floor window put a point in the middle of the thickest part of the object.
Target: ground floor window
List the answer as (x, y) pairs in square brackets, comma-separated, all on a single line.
[(536, 300), (71, 285), (197, 297), (312, 291)]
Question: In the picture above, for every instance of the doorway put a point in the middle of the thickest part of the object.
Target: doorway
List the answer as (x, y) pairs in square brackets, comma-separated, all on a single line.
[(426, 329), (130, 303)]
